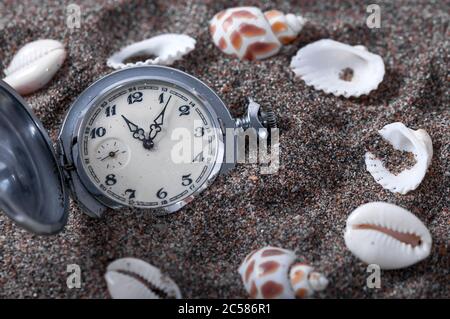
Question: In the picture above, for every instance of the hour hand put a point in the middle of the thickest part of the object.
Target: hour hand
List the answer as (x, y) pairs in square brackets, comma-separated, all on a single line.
[(138, 133)]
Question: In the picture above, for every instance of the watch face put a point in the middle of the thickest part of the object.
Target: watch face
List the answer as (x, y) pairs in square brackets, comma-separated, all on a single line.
[(149, 144)]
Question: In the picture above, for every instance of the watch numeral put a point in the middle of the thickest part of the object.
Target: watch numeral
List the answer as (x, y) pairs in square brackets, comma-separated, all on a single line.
[(110, 180), (199, 131), (110, 111), (186, 180), (98, 132), (161, 194), (131, 192), (199, 157), (161, 98), (184, 110), (135, 97)]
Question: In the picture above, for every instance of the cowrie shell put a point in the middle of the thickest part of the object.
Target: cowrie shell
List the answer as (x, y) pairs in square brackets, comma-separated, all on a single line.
[(34, 65), (338, 68), (387, 235), (167, 48), (131, 278), (403, 139)]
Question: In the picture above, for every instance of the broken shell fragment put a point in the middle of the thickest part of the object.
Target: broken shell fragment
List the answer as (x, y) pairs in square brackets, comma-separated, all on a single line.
[(131, 278), (402, 139), (165, 48), (34, 65), (338, 68), (265, 274), (305, 281), (387, 235), (250, 34)]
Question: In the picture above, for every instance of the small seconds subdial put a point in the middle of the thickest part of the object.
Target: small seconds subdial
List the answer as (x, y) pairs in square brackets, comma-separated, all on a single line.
[(113, 154)]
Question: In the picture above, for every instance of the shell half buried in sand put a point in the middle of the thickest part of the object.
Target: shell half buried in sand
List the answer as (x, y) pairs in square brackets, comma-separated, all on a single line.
[(402, 139), (131, 278), (163, 49), (387, 235), (338, 68), (34, 65)]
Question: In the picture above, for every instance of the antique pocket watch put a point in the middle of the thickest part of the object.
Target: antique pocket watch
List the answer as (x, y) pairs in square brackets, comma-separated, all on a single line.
[(125, 142)]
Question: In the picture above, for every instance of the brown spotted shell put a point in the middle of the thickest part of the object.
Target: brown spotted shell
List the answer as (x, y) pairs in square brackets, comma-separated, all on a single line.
[(305, 281), (270, 273), (250, 34), (265, 273)]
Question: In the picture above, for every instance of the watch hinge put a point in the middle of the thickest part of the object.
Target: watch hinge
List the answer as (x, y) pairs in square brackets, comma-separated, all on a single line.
[(63, 159), (69, 167)]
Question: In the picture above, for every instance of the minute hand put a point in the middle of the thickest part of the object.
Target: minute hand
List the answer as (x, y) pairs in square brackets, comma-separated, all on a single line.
[(155, 128)]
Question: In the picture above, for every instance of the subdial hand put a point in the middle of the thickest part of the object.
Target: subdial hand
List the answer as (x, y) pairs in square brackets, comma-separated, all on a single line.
[(111, 154), (138, 133)]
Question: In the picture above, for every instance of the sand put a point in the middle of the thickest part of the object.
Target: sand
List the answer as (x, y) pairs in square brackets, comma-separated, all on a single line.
[(322, 176)]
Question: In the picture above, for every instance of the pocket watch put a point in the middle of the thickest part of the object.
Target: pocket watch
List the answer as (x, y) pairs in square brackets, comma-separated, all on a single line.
[(147, 137)]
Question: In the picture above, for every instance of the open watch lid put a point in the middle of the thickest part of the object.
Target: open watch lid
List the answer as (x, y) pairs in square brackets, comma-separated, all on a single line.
[(32, 190)]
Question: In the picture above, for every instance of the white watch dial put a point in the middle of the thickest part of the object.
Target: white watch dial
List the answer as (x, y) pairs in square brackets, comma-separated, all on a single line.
[(149, 144)]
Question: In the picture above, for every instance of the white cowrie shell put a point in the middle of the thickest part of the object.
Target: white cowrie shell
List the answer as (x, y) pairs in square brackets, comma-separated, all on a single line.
[(131, 278), (371, 235), (34, 65)]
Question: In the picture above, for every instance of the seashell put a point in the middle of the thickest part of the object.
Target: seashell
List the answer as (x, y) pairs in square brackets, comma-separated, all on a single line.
[(131, 278), (34, 65), (387, 235), (250, 34), (167, 48), (305, 281), (403, 139), (338, 68), (265, 273)]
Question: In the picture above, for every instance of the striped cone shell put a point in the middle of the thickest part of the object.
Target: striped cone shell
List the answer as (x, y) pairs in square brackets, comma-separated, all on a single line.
[(270, 273), (250, 34)]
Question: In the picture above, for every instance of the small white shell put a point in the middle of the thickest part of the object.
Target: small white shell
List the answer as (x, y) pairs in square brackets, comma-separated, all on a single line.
[(403, 139), (338, 68), (167, 48), (305, 281), (34, 65), (265, 273), (131, 278), (250, 34), (387, 235)]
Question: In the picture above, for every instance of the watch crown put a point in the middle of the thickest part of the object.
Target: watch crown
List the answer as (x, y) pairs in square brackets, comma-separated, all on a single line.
[(269, 119), (257, 118)]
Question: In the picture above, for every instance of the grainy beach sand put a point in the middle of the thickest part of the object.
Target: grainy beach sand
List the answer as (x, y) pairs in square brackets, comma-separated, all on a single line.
[(322, 177)]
